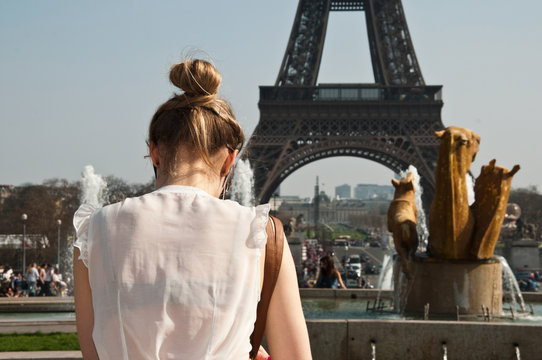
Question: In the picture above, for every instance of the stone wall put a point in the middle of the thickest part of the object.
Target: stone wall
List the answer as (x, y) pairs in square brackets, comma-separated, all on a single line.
[(398, 339), (524, 254)]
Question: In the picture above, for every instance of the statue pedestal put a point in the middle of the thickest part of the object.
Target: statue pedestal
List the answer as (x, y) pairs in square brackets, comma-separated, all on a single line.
[(445, 284)]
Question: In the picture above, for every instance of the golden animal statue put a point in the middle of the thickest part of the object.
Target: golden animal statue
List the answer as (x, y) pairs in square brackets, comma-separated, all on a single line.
[(451, 222), (492, 189), (457, 230), (402, 220)]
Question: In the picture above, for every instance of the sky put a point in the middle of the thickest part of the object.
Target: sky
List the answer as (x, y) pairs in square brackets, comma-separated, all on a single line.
[(79, 81)]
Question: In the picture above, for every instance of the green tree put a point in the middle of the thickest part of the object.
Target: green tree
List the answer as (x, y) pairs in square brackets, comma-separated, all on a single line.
[(530, 202), (118, 189)]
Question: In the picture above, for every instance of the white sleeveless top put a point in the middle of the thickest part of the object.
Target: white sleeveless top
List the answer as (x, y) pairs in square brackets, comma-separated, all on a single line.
[(175, 274)]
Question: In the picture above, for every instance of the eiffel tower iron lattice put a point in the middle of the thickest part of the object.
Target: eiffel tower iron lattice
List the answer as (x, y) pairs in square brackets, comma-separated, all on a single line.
[(391, 122)]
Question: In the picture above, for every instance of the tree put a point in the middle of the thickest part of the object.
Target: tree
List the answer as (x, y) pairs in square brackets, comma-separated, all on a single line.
[(118, 189), (530, 202)]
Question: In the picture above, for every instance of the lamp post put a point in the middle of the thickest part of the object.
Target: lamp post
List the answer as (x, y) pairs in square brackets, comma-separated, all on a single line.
[(24, 217), (58, 223)]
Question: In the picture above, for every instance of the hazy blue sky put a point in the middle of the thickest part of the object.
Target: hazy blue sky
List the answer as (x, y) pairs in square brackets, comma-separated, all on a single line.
[(80, 80)]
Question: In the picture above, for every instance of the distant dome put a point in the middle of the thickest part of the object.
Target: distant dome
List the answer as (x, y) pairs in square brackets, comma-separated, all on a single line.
[(513, 212)]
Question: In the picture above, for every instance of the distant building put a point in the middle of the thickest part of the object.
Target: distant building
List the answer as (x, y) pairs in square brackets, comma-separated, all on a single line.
[(343, 192), (368, 206), (373, 192), (332, 212), (32, 241), (324, 197), (292, 206)]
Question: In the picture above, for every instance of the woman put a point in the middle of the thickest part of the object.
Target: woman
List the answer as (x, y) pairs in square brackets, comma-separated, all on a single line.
[(175, 274), (32, 276), (329, 275)]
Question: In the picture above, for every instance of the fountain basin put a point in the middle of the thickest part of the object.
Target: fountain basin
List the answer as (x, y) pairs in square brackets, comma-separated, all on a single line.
[(449, 286)]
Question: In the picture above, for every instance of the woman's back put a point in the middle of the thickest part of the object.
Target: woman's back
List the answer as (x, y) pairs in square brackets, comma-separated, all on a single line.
[(174, 274), (328, 281)]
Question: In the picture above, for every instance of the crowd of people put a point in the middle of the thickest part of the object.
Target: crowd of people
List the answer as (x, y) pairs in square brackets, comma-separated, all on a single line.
[(311, 265), (314, 251), (44, 280)]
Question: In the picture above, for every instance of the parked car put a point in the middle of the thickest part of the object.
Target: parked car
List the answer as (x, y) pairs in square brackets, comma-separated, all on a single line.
[(354, 259), (340, 242), (351, 278), (369, 268), (358, 243), (353, 268)]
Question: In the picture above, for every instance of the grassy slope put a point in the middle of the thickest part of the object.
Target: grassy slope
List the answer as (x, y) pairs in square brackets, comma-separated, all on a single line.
[(39, 342)]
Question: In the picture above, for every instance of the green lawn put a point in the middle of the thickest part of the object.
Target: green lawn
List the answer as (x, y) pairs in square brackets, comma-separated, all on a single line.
[(39, 342)]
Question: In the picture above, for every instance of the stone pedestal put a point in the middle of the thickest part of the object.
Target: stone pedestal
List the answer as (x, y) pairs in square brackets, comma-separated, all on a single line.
[(445, 284)]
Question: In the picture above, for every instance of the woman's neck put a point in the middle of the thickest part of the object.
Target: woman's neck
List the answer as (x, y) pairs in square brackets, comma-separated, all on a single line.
[(197, 177)]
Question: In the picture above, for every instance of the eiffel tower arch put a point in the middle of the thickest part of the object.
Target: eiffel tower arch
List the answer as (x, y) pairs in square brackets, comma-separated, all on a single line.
[(391, 121)]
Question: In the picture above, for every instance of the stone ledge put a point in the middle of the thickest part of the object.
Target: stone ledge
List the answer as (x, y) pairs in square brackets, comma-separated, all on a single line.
[(41, 355), (22, 327), (344, 293), (413, 340)]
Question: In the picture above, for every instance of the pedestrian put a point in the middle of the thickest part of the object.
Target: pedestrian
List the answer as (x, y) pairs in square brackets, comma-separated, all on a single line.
[(7, 273), (32, 276), (177, 273), (41, 280), (329, 276), (49, 272), (58, 284)]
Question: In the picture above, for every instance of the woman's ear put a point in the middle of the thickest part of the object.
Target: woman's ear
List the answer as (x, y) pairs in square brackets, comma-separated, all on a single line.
[(228, 162), (155, 154)]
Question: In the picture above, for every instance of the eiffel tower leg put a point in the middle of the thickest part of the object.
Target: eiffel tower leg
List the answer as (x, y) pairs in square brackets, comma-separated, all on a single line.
[(304, 51)]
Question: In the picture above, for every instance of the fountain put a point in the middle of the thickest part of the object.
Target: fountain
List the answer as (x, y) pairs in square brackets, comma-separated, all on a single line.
[(242, 188), (421, 227), (458, 272), (93, 190), (93, 187)]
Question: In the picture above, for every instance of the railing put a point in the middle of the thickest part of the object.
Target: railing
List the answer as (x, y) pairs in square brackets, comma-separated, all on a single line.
[(352, 93), (347, 5)]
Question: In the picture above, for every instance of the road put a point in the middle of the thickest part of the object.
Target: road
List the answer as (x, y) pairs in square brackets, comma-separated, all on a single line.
[(376, 254)]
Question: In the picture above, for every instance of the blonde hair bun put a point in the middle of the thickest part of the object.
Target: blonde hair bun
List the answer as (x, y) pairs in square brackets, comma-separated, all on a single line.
[(198, 117), (195, 77)]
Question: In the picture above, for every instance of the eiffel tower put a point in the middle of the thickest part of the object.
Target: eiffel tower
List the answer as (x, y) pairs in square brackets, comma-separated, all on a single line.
[(390, 122)]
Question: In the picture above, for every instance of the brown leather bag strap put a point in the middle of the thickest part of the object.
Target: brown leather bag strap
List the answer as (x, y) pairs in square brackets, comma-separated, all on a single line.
[(273, 260)]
